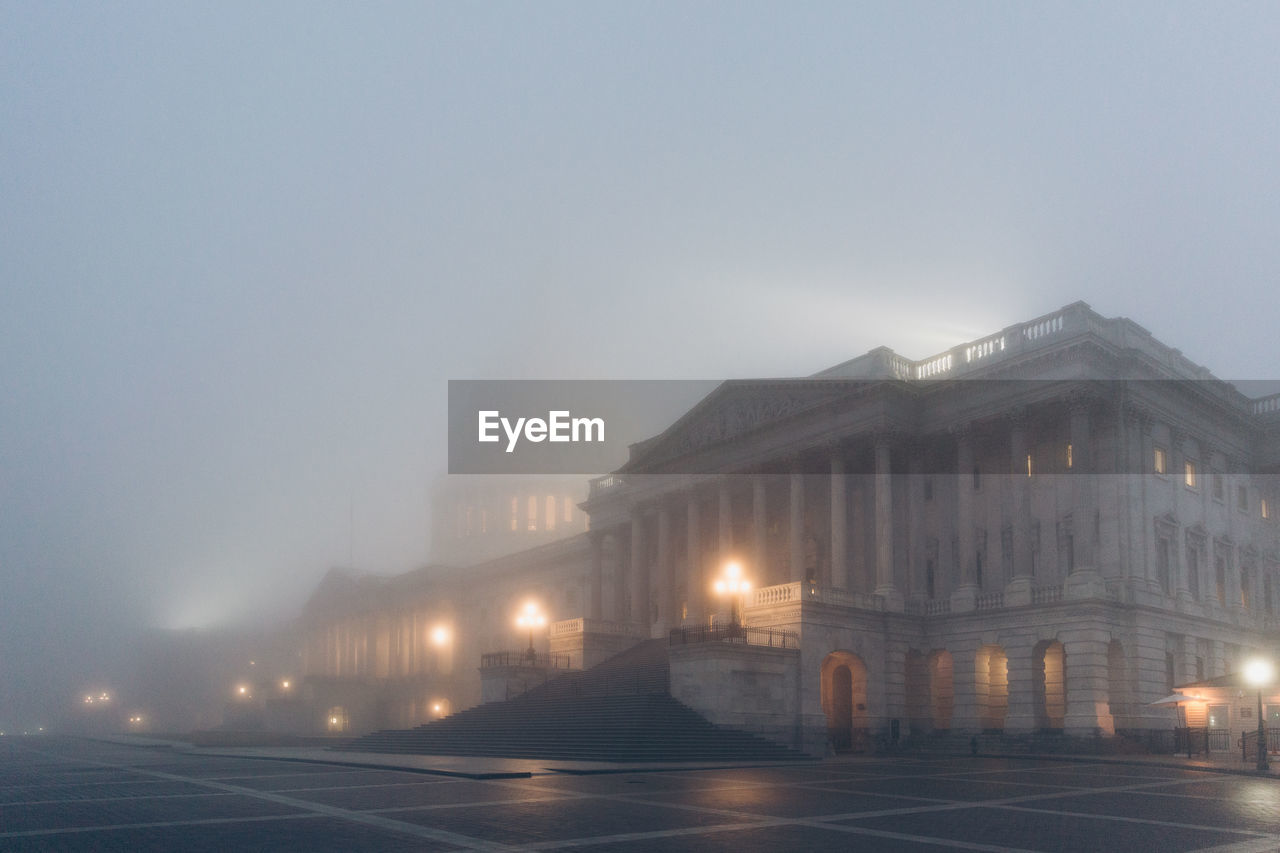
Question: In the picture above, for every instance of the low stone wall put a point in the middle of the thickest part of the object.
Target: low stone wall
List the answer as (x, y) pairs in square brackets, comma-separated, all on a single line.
[(500, 683), (751, 688)]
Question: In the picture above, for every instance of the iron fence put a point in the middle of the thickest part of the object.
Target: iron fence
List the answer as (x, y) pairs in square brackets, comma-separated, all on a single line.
[(536, 660), (774, 638)]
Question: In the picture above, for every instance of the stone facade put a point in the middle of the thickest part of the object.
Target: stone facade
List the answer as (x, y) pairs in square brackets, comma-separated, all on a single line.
[(1044, 529), (1033, 531)]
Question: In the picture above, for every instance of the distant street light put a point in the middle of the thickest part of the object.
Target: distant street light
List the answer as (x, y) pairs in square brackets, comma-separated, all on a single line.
[(441, 635), (1259, 673), (531, 617), (734, 585)]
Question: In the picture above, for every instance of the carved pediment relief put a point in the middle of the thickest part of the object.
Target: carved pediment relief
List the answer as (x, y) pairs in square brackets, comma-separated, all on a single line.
[(733, 410)]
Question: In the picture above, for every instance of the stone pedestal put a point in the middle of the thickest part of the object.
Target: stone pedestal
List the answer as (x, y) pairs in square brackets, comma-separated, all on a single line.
[(964, 599), (894, 602), (587, 642), (1085, 583), (1018, 592), (751, 688)]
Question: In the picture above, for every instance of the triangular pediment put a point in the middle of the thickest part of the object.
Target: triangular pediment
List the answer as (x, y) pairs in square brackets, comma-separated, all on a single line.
[(734, 409)]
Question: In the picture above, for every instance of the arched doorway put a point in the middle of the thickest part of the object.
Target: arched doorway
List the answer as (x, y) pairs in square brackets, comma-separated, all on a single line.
[(844, 701), (1049, 679)]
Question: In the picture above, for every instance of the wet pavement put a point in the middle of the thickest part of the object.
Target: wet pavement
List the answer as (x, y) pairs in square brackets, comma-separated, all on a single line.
[(74, 794)]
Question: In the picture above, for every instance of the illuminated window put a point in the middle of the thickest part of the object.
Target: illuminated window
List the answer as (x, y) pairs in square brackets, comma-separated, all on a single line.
[(484, 519), (551, 512), (1189, 473), (515, 514), (1030, 471), (533, 512), (1069, 459), (1266, 509), (568, 510), (1161, 462)]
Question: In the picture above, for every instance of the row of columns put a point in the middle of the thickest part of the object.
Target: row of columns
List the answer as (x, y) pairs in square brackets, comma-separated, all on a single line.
[(376, 646), (642, 585), (1080, 534)]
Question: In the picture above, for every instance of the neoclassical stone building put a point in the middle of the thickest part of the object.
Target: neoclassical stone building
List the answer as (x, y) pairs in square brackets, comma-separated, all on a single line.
[(1047, 528)]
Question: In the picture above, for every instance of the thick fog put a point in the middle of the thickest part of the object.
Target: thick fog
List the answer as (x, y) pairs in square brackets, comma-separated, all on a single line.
[(244, 246)]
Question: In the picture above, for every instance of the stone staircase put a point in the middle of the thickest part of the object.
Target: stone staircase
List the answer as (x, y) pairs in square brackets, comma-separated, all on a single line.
[(620, 710)]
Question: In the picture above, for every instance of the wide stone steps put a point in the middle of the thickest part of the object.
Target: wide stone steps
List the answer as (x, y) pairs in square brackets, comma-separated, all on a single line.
[(618, 711)]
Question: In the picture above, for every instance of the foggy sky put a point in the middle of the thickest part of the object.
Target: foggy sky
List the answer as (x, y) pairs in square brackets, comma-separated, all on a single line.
[(244, 246)]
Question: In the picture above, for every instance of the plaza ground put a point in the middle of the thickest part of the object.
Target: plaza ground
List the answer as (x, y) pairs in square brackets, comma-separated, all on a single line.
[(74, 794)]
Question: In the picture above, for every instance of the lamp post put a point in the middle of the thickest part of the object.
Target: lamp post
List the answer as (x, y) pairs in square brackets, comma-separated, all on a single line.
[(736, 587), (531, 617), (1258, 673)]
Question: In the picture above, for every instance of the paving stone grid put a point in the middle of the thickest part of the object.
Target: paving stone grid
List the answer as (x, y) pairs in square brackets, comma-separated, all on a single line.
[(68, 794)]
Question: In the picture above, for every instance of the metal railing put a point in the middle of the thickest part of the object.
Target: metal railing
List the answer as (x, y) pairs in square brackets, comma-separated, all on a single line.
[(536, 660), (774, 638), (1249, 744)]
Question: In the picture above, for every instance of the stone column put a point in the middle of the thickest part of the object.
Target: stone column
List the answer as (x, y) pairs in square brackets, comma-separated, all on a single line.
[(1234, 584), (797, 527), (1137, 562), (763, 572), (1177, 545), (885, 585), (1083, 488), (1017, 512), (964, 598), (640, 613), (596, 608), (337, 649), (415, 643), (839, 519), (662, 584), (696, 594), (726, 521), (621, 571)]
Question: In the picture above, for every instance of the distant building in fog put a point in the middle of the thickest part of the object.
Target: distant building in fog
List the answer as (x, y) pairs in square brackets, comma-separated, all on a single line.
[(1044, 529), (480, 517)]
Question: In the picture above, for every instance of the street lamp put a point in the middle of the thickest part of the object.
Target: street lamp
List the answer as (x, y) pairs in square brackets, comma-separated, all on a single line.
[(736, 587), (1259, 673), (531, 617), (440, 635)]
